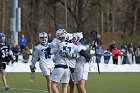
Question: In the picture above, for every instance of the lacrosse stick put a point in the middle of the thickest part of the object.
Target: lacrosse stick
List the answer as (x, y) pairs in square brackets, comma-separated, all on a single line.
[(32, 75)]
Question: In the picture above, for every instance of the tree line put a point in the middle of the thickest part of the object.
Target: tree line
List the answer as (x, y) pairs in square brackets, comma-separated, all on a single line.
[(117, 20)]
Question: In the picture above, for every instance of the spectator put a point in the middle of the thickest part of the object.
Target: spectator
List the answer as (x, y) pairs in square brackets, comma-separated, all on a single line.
[(107, 56), (50, 38), (130, 53), (98, 52), (137, 55), (93, 35), (116, 52), (11, 41), (26, 52), (98, 40), (111, 46), (16, 51), (124, 53), (22, 42), (130, 45)]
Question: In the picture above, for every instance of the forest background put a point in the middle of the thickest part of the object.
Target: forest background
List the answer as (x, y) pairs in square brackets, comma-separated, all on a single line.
[(117, 20)]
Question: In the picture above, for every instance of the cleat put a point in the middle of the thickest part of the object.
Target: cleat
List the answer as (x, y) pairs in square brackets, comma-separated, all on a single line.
[(7, 87)]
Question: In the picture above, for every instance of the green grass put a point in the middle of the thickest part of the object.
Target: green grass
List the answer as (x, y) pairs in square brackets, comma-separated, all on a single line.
[(103, 83)]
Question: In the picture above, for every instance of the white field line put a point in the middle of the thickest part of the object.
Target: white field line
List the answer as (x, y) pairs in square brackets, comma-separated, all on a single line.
[(23, 89)]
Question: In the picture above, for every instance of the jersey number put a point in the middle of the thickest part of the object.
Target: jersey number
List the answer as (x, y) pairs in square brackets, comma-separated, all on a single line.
[(47, 54), (66, 50)]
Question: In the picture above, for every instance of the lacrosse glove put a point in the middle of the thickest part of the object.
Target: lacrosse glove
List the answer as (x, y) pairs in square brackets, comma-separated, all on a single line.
[(32, 68)]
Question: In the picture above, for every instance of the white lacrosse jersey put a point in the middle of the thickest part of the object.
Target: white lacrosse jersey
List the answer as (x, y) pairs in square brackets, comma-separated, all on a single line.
[(58, 59), (70, 53), (81, 63), (59, 74), (42, 54), (54, 45)]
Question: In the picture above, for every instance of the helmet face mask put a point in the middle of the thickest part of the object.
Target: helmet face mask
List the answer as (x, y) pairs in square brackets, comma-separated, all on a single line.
[(60, 34), (69, 37), (77, 37), (43, 37)]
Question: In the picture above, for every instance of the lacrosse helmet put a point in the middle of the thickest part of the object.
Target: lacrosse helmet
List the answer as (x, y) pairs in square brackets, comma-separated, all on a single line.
[(61, 33), (43, 37), (77, 36), (69, 37), (2, 35)]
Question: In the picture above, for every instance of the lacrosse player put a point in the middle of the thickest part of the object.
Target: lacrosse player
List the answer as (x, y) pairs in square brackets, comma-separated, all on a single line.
[(5, 56), (82, 66), (61, 72), (70, 51), (42, 54)]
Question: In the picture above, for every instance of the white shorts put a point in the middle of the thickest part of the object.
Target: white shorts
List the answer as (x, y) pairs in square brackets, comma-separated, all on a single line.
[(60, 75), (81, 75), (45, 70)]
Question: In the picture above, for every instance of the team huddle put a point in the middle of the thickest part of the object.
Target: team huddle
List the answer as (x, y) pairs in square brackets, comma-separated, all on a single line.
[(64, 60)]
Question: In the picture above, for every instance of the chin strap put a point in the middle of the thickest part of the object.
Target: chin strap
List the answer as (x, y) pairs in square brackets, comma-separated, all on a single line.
[(44, 44)]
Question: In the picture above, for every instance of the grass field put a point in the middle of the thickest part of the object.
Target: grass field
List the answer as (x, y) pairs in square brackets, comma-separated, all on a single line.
[(103, 83)]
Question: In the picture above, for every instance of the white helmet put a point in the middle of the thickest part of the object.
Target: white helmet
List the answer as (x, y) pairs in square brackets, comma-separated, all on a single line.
[(2, 35), (60, 33), (77, 36), (43, 37), (68, 37)]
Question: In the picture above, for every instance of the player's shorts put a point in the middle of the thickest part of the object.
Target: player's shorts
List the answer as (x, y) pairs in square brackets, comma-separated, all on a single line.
[(46, 70), (61, 75), (81, 75), (2, 66)]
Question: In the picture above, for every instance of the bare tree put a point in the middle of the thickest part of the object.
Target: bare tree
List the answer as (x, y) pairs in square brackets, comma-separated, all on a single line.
[(3, 17)]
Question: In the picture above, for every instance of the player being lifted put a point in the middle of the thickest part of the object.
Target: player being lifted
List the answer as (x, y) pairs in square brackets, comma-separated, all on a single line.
[(5, 55), (42, 54)]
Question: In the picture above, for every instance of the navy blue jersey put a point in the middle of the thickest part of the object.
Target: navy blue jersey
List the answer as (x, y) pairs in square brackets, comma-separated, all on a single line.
[(5, 53)]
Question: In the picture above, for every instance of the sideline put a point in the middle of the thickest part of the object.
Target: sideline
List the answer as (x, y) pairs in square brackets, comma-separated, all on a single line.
[(26, 89)]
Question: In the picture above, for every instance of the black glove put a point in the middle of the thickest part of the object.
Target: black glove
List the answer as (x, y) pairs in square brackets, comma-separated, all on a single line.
[(87, 60), (32, 68)]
